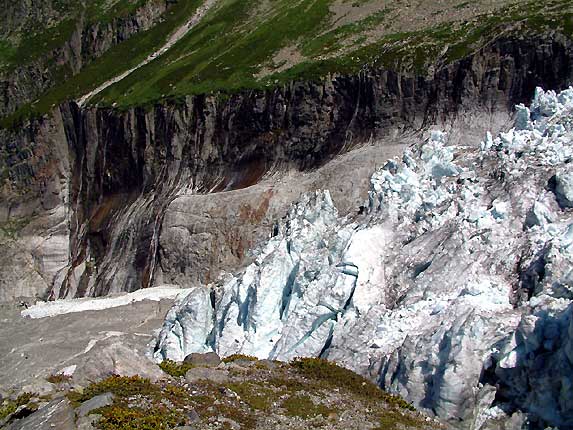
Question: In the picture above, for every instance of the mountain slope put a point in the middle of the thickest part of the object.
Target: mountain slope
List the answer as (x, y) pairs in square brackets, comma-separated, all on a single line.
[(249, 45), (101, 200), (45, 44)]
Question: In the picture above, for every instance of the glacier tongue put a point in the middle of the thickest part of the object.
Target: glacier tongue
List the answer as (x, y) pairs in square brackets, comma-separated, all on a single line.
[(453, 290)]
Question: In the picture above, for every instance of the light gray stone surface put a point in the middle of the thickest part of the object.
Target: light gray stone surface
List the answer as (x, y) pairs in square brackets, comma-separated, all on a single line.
[(200, 373), (208, 359), (96, 402), (58, 414), (98, 343)]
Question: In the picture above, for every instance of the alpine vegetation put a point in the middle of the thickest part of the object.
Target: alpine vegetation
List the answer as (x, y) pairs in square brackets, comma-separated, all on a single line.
[(452, 287)]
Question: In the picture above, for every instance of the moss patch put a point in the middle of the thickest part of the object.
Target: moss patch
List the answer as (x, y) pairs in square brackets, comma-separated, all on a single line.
[(239, 357), (302, 406), (334, 376), (8, 406), (175, 369), (11, 229)]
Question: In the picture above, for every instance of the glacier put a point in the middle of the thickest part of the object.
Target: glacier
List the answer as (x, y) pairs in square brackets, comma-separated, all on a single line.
[(453, 287)]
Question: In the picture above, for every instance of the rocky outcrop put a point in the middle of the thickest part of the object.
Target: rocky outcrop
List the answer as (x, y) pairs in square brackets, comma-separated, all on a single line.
[(120, 175), (87, 41)]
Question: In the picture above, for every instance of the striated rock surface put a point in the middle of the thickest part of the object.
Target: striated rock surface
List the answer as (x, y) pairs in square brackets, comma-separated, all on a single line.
[(127, 185), (57, 414), (452, 289)]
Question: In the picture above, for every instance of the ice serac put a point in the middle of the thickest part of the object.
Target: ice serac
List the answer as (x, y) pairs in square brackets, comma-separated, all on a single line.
[(452, 286)]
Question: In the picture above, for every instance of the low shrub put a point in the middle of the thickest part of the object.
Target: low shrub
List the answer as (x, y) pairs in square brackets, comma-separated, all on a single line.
[(121, 386), (238, 357), (8, 406), (336, 376), (125, 418), (175, 369), (58, 378)]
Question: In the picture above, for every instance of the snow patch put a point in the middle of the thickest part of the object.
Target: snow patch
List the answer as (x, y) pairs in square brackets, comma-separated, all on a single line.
[(59, 307)]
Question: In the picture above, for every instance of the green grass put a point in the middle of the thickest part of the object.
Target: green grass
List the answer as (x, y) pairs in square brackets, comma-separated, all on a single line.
[(96, 11), (226, 52), (229, 48), (37, 43), (114, 62), (223, 52), (333, 40), (7, 53)]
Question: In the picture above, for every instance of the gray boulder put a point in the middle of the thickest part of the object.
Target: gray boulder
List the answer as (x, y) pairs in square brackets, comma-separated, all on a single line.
[(218, 376), (209, 359), (57, 414), (564, 187), (88, 422)]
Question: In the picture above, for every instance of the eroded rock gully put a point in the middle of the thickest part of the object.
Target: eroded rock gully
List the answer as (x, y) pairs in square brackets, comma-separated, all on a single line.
[(99, 201)]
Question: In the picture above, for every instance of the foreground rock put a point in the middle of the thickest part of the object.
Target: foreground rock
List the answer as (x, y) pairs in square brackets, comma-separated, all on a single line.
[(100, 401), (453, 290), (209, 359), (57, 414)]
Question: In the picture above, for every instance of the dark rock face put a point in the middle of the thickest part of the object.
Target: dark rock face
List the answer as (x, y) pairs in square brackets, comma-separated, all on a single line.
[(88, 41), (116, 173)]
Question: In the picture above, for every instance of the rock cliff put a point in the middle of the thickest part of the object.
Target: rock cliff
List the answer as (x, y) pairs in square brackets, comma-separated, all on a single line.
[(92, 199)]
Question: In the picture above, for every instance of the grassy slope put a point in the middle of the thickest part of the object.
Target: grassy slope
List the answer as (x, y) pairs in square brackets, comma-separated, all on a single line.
[(226, 51), (112, 63), (240, 38), (35, 43)]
